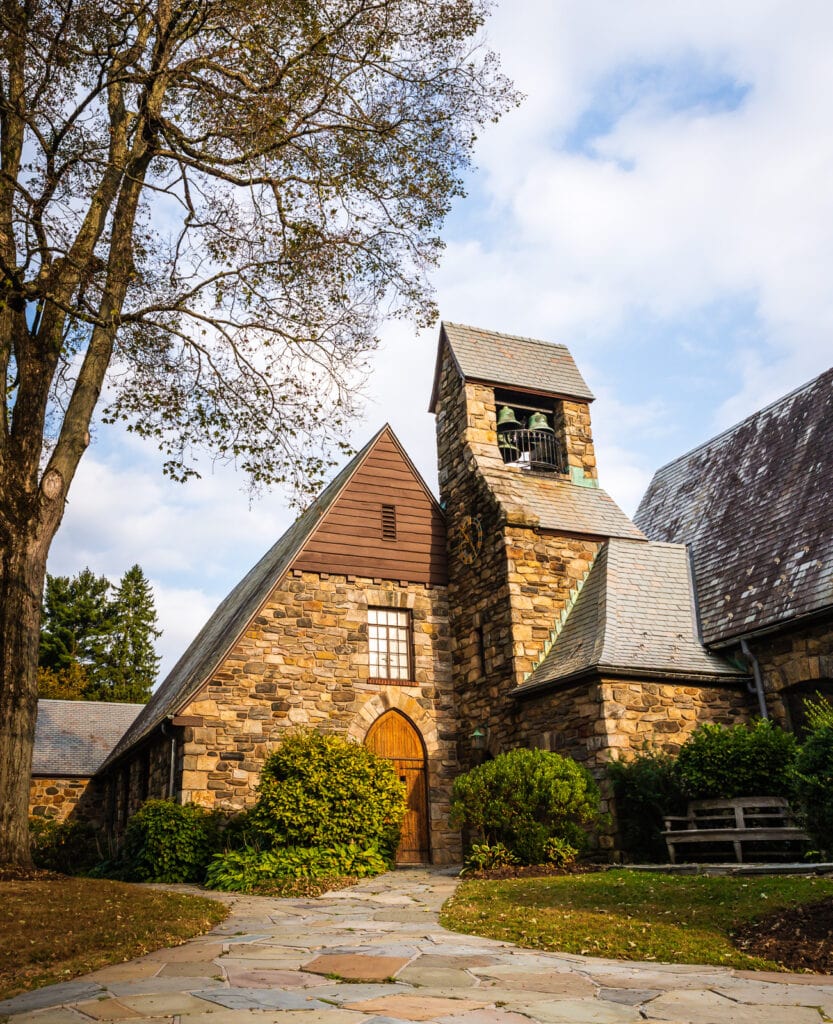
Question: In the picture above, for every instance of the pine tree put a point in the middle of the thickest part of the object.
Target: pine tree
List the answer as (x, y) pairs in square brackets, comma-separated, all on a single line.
[(77, 627), (133, 662)]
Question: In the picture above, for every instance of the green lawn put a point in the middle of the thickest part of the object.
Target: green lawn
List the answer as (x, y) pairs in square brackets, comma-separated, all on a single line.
[(628, 915)]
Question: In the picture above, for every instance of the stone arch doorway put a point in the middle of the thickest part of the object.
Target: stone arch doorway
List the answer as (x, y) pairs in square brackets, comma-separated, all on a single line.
[(395, 737)]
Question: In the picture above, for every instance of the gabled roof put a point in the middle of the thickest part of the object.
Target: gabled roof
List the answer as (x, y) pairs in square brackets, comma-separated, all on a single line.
[(635, 613), (234, 613), (73, 737), (754, 503), (511, 361)]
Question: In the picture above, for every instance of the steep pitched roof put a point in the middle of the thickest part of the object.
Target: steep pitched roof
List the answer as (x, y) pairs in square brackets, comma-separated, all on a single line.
[(635, 613), (512, 361), (73, 737), (754, 503), (233, 614)]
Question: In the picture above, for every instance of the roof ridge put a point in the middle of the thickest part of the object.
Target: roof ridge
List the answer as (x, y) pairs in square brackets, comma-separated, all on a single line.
[(180, 683), (746, 419), (504, 334)]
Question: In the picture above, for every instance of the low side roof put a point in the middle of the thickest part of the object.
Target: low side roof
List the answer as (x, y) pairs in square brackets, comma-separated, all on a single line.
[(754, 503), (562, 505), (73, 737), (233, 614), (512, 361), (634, 613)]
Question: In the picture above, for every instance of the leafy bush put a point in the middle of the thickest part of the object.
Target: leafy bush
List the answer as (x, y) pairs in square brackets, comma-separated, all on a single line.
[(645, 789), (818, 713), (70, 847), (814, 785), (743, 760), (248, 870), (523, 798), (321, 790), (559, 852), (482, 857), (168, 842)]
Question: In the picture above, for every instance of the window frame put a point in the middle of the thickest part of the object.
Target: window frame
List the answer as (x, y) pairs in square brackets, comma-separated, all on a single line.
[(380, 672)]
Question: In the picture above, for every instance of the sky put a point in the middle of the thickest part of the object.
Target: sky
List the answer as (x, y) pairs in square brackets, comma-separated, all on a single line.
[(661, 203)]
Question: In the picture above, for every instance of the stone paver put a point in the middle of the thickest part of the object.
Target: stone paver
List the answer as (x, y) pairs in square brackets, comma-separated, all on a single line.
[(283, 961)]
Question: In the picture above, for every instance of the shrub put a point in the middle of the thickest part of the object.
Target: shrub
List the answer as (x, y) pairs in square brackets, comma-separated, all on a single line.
[(743, 760), (645, 790), (524, 797), (559, 852), (168, 842), (482, 857), (70, 847), (321, 790), (247, 870), (814, 785), (818, 713)]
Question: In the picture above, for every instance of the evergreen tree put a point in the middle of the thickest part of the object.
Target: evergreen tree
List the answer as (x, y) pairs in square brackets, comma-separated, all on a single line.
[(133, 662), (77, 627), (95, 646)]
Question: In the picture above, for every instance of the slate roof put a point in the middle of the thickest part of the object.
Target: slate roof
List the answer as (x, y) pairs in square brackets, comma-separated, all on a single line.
[(512, 361), (755, 505), (73, 737), (561, 504), (634, 613), (233, 614)]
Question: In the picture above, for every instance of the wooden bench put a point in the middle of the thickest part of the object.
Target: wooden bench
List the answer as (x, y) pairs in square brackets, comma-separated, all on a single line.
[(742, 819)]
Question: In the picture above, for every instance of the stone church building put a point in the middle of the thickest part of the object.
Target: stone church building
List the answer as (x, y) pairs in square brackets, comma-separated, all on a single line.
[(523, 608)]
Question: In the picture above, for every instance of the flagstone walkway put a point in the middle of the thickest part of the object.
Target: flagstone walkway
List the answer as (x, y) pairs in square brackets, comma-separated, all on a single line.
[(375, 954)]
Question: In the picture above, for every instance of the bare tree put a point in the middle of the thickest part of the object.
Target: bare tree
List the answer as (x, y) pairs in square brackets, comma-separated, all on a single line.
[(204, 207)]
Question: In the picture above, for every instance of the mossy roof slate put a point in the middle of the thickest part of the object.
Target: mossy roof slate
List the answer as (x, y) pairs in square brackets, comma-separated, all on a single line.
[(754, 504)]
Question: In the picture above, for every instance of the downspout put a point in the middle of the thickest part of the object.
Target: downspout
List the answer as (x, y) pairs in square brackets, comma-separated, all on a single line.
[(758, 685), (172, 767)]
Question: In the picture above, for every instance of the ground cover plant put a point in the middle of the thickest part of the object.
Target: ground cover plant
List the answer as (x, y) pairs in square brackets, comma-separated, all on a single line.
[(631, 915), (53, 929)]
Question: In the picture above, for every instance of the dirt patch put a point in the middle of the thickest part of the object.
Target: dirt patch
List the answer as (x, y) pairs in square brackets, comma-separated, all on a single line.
[(800, 938), (18, 874)]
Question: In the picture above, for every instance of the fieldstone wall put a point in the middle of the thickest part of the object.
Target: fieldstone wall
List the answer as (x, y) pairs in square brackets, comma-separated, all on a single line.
[(795, 664), (303, 662), (62, 797), (506, 591), (601, 720), (573, 426)]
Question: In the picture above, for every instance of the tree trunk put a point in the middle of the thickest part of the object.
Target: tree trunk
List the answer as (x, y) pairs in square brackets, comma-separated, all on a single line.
[(22, 573)]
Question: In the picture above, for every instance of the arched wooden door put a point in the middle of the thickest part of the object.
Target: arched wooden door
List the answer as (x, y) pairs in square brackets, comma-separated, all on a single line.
[(394, 737)]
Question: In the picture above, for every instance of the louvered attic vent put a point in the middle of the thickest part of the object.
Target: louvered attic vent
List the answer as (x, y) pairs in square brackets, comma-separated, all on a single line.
[(388, 522)]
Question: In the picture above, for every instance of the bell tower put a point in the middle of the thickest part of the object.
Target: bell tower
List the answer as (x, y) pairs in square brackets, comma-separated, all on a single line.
[(525, 516)]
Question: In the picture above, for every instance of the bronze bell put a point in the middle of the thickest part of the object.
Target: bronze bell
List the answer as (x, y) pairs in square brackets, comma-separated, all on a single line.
[(538, 421), (506, 419)]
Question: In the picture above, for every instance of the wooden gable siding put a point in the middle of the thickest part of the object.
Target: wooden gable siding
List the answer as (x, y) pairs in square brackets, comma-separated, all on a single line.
[(349, 538)]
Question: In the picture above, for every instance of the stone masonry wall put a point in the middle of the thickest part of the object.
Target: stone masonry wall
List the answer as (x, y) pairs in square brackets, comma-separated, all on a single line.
[(598, 721), (795, 664), (63, 797), (304, 663), (506, 597), (573, 425)]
